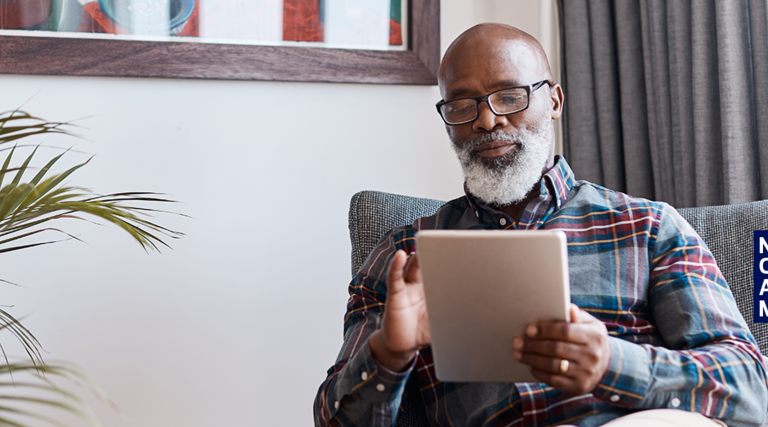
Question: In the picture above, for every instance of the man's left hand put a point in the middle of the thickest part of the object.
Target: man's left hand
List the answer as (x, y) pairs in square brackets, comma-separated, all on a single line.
[(582, 343)]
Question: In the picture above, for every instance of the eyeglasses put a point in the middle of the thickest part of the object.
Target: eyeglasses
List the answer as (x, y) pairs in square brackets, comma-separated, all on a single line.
[(502, 102)]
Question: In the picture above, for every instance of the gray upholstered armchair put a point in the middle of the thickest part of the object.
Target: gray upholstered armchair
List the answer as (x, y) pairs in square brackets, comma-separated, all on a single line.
[(727, 230)]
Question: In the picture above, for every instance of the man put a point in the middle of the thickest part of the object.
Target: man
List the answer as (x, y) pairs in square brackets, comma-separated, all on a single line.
[(653, 326)]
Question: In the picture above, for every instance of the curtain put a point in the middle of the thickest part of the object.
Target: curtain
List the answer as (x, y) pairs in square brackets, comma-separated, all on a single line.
[(668, 100)]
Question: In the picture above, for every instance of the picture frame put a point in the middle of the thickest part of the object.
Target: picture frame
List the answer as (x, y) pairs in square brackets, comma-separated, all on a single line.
[(70, 56)]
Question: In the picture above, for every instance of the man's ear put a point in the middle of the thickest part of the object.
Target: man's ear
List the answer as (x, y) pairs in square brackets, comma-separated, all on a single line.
[(557, 97)]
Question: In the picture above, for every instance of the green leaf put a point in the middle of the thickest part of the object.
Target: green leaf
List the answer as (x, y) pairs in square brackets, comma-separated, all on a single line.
[(27, 207), (28, 211)]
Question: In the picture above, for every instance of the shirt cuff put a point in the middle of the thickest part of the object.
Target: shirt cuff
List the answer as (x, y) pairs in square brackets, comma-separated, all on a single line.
[(365, 383), (625, 383)]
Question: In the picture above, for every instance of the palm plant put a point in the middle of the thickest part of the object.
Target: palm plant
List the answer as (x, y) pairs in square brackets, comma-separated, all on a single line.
[(29, 212)]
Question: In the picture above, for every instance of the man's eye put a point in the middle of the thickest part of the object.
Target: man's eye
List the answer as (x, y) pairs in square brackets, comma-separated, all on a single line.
[(511, 99), (461, 108)]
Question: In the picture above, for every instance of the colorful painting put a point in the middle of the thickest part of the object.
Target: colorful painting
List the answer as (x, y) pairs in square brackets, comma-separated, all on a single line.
[(366, 24)]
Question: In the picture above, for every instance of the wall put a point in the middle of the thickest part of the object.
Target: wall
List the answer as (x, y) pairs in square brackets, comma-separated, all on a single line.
[(238, 323)]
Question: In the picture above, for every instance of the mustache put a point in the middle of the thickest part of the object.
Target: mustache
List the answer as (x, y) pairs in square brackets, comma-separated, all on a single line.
[(490, 137)]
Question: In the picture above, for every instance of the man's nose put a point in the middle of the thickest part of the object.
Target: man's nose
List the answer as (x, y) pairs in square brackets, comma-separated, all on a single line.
[(486, 119)]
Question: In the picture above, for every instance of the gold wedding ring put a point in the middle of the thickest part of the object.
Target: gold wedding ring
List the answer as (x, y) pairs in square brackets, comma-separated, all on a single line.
[(564, 365)]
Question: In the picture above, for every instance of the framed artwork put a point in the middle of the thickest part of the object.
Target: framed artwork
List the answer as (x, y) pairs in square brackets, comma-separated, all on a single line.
[(342, 41)]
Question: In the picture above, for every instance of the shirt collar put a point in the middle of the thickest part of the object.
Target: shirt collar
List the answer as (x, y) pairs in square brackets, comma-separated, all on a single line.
[(556, 183)]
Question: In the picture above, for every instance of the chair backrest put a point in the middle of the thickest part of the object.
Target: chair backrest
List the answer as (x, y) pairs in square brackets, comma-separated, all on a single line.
[(373, 213), (727, 230)]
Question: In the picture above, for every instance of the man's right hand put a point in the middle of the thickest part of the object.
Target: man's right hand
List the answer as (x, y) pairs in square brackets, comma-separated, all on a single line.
[(405, 328)]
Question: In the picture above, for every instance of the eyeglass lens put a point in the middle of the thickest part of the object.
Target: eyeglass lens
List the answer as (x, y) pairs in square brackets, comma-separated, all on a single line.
[(506, 101)]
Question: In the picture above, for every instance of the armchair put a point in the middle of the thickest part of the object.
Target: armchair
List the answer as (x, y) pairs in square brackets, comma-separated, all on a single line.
[(727, 230)]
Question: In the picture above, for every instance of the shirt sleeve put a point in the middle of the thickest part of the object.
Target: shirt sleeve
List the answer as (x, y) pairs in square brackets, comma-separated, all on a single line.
[(708, 362), (358, 391)]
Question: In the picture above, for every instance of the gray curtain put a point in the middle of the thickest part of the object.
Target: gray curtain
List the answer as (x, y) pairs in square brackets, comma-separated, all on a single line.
[(668, 99)]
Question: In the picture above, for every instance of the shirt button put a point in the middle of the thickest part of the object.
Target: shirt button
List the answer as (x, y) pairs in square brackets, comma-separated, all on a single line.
[(336, 404), (364, 375), (380, 387), (503, 221), (615, 398), (675, 402)]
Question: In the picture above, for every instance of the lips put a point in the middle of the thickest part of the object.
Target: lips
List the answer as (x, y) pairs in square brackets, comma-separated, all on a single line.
[(496, 148)]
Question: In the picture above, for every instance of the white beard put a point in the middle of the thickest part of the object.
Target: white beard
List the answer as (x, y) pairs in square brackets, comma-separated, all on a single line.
[(505, 180)]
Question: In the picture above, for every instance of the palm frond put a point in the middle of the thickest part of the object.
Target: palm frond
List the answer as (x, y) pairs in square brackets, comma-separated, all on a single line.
[(27, 402), (31, 345), (16, 124), (28, 206)]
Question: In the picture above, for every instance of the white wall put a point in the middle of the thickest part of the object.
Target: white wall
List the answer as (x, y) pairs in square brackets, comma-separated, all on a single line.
[(237, 325)]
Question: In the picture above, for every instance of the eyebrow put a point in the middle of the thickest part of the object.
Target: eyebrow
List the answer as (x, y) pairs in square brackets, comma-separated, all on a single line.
[(465, 93)]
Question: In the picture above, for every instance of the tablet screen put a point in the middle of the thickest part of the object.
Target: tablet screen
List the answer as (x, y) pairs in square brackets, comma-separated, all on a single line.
[(483, 287)]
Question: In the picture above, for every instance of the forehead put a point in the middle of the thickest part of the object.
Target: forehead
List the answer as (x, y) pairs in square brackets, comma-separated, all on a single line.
[(476, 68)]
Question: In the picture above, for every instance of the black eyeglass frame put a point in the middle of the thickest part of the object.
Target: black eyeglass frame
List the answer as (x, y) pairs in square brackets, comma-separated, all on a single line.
[(529, 89)]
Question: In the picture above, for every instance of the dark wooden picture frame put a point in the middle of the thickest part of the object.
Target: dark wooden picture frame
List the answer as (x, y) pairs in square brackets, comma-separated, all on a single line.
[(128, 58)]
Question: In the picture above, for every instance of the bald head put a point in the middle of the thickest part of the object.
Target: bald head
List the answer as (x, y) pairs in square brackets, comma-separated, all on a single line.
[(492, 48)]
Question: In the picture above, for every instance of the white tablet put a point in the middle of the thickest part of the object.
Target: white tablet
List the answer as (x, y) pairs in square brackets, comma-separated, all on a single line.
[(483, 287)]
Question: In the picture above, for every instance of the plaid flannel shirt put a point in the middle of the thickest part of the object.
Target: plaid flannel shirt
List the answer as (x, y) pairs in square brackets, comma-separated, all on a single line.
[(677, 338)]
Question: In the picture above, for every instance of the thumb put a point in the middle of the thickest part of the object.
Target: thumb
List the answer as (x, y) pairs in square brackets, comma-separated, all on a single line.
[(575, 313), (580, 316)]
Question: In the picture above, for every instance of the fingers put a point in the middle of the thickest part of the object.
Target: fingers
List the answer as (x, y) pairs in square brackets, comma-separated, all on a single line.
[(544, 364), (395, 273), (582, 331), (571, 378), (404, 267), (580, 373), (547, 348), (405, 326), (583, 342), (413, 269), (562, 331)]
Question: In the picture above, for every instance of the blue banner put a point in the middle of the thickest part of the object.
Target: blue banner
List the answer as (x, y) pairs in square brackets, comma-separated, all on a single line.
[(760, 256)]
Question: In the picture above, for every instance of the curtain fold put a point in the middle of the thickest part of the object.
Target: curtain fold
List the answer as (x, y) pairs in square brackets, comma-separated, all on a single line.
[(668, 99)]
